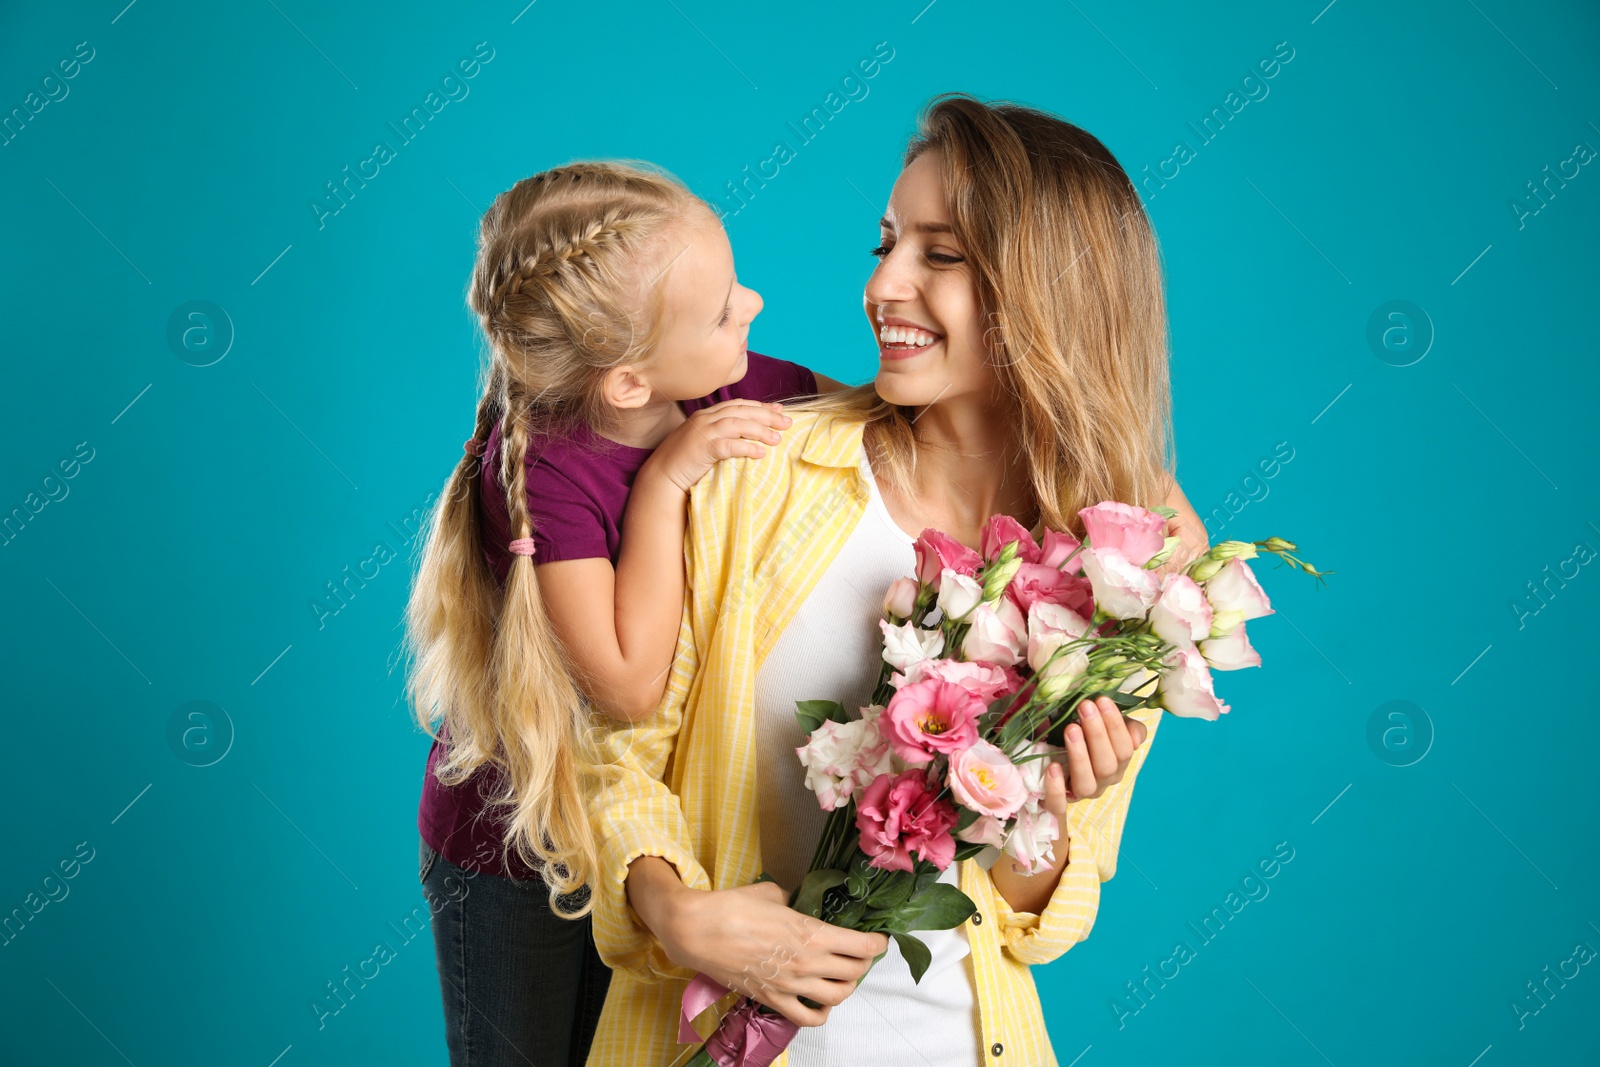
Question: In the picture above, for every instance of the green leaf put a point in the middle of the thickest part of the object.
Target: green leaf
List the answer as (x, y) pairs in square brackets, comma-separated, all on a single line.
[(857, 886), (916, 953), (939, 907), (850, 917), (1165, 512), (965, 819), (813, 713), (809, 898), (894, 892), (965, 850)]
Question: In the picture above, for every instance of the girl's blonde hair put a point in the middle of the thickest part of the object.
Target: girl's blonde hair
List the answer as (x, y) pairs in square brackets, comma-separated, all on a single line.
[(1068, 277), (565, 288)]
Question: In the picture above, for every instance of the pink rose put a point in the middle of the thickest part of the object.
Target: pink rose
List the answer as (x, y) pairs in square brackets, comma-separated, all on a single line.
[(1186, 688), (1122, 589), (1181, 615), (999, 532), (1234, 588), (1034, 582), (1056, 547), (900, 815), (936, 551), (987, 681), (1231, 651), (996, 633), (1136, 533), (931, 717), (985, 780)]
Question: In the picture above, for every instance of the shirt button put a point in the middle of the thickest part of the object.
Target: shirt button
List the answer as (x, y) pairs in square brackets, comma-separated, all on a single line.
[(997, 1049), (977, 918)]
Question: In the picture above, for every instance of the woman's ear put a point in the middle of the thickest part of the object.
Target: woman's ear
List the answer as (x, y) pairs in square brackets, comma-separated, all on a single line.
[(622, 387)]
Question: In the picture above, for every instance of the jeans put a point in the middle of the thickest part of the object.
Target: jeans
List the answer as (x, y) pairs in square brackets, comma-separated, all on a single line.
[(522, 986)]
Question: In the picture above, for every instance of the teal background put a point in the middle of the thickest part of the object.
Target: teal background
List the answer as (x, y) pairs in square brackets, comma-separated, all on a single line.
[(1422, 901)]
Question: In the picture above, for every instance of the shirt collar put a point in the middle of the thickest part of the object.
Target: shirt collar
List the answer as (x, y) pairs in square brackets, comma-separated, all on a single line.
[(835, 441)]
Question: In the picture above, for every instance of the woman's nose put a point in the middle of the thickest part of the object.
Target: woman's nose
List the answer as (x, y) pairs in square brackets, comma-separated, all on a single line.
[(889, 283)]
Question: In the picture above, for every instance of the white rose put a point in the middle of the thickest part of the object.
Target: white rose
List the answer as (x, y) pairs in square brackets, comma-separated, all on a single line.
[(1234, 588), (996, 634), (1231, 651), (1030, 840), (1121, 589), (1181, 615), (958, 594), (907, 643)]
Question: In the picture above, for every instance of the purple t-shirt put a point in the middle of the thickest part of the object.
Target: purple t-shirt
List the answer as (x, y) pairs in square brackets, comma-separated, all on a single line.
[(577, 491)]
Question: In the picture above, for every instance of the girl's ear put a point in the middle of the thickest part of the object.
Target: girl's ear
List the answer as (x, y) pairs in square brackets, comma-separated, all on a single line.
[(622, 387)]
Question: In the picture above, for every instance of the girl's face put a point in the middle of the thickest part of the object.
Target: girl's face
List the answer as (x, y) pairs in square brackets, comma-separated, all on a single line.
[(921, 300), (706, 313)]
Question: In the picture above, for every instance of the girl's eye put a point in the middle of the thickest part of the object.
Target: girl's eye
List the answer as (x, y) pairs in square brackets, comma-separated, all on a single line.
[(727, 313), (940, 257)]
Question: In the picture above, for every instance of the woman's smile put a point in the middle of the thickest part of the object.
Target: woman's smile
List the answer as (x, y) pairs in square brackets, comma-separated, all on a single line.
[(901, 338)]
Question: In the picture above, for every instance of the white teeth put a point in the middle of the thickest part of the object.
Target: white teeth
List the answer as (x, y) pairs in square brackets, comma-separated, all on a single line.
[(904, 335)]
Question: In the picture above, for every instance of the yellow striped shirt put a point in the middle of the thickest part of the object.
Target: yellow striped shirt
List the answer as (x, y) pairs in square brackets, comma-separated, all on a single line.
[(761, 532)]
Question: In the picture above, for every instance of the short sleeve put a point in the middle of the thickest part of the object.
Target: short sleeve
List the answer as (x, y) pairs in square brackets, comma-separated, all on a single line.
[(766, 380), (568, 523)]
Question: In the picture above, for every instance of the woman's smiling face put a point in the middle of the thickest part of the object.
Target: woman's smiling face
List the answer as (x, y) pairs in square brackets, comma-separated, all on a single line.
[(921, 300)]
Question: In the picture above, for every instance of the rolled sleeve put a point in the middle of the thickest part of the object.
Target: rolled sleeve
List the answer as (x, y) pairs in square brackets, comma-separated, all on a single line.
[(1094, 838), (636, 814)]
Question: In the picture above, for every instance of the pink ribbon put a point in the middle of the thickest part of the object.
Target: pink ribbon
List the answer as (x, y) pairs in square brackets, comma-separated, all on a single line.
[(746, 1036)]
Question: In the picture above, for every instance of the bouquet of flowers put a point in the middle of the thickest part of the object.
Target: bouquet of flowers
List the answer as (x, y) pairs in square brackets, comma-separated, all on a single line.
[(986, 657)]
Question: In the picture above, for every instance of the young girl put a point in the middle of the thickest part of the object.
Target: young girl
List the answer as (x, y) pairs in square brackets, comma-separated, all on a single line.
[(552, 581)]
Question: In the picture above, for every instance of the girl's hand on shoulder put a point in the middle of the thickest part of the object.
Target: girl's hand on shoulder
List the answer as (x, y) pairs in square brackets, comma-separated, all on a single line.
[(721, 431)]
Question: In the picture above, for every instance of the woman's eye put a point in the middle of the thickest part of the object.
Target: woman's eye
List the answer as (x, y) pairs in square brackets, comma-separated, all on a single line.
[(880, 251)]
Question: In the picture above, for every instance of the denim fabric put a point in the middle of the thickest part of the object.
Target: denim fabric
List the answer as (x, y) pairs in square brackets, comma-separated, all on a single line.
[(522, 987)]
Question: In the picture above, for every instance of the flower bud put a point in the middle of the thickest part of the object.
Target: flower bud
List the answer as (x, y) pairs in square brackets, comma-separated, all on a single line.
[(1278, 544), (900, 602), (1168, 547), (998, 574), (1205, 568), (1231, 549), (1223, 622)]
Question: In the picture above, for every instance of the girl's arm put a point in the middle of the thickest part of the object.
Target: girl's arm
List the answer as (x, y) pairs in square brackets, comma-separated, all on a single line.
[(618, 626)]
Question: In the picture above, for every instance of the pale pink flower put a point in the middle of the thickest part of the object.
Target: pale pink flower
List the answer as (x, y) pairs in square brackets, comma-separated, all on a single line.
[(1186, 687), (1234, 589), (1231, 651), (901, 599), (995, 634), (1122, 589), (985, 780), (1181, 614), (958, 594)]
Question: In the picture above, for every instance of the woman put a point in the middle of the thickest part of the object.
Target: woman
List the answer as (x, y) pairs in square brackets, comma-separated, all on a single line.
[(1020, 319)]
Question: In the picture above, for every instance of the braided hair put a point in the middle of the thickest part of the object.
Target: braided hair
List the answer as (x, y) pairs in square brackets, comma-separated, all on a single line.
[(564, 289)]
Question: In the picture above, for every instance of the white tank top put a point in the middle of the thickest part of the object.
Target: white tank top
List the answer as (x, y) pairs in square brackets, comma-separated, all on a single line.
[(830, 651)]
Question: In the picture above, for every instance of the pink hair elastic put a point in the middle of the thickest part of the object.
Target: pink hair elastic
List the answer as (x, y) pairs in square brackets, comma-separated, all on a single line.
[(522, 546)]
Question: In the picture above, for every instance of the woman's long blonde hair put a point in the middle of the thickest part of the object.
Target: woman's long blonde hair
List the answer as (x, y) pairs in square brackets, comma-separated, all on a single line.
[(1068, 275), (563, 289)]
